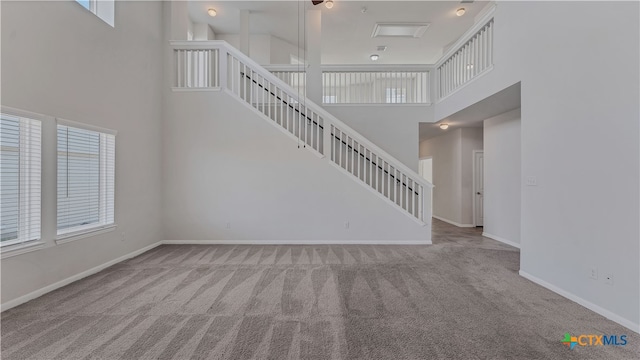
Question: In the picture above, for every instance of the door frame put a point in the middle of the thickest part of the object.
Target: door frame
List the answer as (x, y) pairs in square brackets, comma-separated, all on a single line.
[(473, 187), (419, 173)]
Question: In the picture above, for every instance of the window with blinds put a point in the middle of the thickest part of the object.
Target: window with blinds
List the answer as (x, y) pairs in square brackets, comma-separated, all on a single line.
[(20, 174), (86, 179), (104, 9)]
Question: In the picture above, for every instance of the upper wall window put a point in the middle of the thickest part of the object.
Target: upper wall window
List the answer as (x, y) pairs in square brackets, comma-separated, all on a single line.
[(86, 179), (104, 9), (20, 173)]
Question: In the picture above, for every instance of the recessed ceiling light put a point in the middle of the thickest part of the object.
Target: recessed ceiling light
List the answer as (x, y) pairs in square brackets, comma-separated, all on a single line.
[(328, 4), (444, 126), (374, 57), (469, 66), (212, 12), (461, 11)]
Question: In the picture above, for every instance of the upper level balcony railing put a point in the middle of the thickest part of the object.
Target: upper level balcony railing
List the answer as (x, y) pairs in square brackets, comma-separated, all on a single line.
[(469, 58), (396, 84)]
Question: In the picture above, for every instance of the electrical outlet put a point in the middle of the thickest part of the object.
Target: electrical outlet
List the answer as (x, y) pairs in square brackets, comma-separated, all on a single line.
[(593, 273), (531, 181), (608, 279), (228, 225), (346, 224)]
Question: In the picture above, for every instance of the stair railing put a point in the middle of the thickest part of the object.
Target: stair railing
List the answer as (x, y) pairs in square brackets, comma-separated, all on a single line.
[(226, 68)]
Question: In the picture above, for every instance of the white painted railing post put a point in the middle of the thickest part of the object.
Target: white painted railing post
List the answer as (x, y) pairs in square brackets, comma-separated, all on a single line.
[(223, 71), (326, 139)]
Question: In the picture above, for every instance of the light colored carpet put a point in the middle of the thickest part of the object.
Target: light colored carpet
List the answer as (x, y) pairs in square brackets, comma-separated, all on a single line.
[(460, 298)]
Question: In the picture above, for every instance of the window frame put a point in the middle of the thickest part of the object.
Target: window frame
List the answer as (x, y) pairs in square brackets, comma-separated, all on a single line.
[(103, 9), (83, 231), (17, 247)]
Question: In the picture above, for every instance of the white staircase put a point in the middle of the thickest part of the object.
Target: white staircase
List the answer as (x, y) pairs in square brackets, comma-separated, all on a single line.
[(215, 65)]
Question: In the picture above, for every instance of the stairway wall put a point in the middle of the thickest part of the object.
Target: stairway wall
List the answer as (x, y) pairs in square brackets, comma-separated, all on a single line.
[(230, 175), (394, 128)]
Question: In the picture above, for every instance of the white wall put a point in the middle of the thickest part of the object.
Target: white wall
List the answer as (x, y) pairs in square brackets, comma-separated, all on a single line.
[(393, 128), (282, 50), (202, 31), (575, 218), (502, 177), (259, 46), (445, 150), (81, 69), (266, 49), (224, 164), (452, 155)]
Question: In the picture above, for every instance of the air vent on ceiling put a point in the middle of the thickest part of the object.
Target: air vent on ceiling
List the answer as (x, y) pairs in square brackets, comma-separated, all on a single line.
[(382, 48), (467, 1), (410, 30)]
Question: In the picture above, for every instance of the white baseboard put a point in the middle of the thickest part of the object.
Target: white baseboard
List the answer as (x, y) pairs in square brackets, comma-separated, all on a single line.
[(589, 305), (35, 294), (502, 240), (296, 242), (453, 222)]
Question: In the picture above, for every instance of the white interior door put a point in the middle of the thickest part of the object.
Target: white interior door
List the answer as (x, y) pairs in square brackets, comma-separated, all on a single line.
[(478, 187)]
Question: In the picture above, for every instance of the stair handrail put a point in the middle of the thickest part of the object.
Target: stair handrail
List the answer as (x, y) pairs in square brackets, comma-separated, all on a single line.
[(221, 44)]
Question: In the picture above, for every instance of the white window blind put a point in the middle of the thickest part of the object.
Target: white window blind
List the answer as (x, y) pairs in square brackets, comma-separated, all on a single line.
[(86, 179), (20, 174)]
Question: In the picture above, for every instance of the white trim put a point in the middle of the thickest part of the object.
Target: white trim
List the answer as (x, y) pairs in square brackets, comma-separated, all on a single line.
[(21, 248), (378, 67), (77, 235), (199, 45), (502, 240), (84, 126), (298, 68), (589, 305), (427, 104), (35, 294), (453, 222), (296, 242), (25, 114), (191, 89)]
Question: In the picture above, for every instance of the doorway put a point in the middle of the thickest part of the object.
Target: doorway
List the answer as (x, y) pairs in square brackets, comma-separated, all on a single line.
[(478, 187), (425, 169)]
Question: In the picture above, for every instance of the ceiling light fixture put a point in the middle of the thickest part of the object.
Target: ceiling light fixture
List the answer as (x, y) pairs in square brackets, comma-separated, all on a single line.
[(328, 4), (461, 11), (374, 57), (212, 12), (444, 126)]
